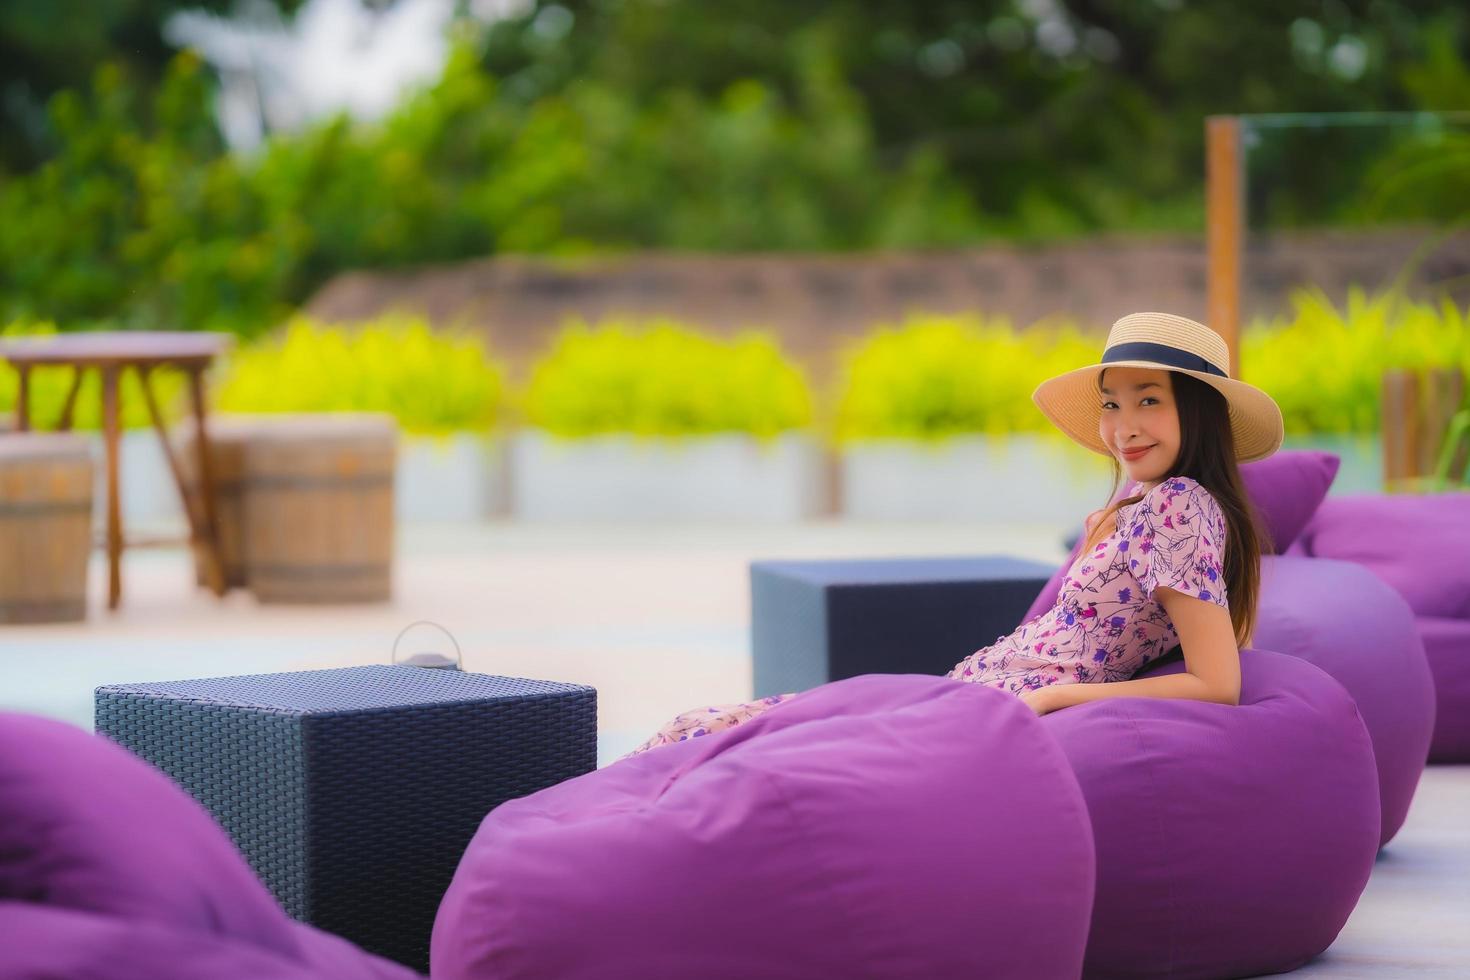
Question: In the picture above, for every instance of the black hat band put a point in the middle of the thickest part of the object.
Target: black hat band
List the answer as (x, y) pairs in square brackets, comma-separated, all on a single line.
[(1142, 350)]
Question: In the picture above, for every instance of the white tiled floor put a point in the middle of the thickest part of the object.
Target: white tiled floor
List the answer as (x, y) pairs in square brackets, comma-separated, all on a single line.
[(1414, 918), (657, 619)]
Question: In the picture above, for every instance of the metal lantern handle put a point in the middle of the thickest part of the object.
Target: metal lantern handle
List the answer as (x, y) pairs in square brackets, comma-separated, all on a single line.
[(458, 654)]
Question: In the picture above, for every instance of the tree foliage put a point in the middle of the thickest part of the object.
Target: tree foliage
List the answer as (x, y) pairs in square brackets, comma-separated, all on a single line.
[(678, 124)]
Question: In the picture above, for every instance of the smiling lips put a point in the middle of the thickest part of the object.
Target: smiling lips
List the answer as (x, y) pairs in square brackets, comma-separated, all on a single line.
[(1135, 453)]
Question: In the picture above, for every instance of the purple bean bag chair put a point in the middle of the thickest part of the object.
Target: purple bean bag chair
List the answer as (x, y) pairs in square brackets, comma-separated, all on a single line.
[(1342, 618), (108, 869), (1447, 648), (880, 826), (1231, 840), (1419, 545)]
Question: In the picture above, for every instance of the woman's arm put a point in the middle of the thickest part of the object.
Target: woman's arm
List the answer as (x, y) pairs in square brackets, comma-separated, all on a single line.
[(1211, 660)]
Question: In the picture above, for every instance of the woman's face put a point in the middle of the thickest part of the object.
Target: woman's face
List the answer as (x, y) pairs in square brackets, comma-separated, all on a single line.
[(1138, 413)]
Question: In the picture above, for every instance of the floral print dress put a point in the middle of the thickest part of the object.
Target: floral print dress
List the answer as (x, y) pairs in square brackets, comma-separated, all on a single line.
[(1106, 624)]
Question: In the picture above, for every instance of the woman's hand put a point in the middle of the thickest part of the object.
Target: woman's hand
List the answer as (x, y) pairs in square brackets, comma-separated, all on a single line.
[(1041, 700)]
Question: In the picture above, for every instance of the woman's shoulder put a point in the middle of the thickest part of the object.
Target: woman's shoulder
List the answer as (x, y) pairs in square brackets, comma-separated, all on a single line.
[(1177, 494), (1175, 486)]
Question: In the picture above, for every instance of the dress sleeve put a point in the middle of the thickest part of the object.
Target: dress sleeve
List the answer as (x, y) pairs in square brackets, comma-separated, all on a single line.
[(1176, 539)]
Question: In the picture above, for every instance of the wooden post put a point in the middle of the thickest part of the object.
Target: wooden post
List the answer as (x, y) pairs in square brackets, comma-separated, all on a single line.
[(69, 408), (204, 548), (1417, 412), (831, 489), (1399, 433), (1443, 393), (23, 399), (112, 433), (1453, 467), (1224, 230), (209, 517)]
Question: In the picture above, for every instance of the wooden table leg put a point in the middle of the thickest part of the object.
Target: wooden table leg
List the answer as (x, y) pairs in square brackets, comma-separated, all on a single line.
[(209, 532), (68, 409), (207, 552), (23, 399), (111, 432)]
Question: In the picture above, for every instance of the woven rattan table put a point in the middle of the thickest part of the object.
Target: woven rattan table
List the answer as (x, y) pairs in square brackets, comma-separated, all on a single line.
[(353, 792), (817, 621)]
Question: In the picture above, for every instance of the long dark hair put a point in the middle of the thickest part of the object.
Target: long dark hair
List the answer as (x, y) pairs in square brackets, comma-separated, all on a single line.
[(1207, 455)]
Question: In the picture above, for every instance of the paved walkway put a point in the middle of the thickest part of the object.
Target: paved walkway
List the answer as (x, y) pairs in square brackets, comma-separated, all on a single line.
[(657, 619)]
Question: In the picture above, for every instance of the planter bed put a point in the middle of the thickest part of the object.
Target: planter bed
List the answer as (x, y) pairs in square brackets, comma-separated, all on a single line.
[(982, 478), (619, 477)]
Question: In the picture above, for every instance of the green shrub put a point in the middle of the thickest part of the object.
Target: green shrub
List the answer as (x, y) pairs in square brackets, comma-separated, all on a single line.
[(1324, 365), (433, 382), (662, 379), (933, 377), (49, 387), (141, 217)]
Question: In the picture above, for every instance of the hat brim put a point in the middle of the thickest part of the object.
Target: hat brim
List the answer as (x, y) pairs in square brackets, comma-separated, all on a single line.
[(1072, 403)]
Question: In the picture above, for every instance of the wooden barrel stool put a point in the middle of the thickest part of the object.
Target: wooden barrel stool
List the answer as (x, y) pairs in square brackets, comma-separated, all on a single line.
[(45, 527), (318, 508)]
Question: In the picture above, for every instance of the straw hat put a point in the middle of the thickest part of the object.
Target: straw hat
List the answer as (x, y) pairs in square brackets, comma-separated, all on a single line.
[(1172, 343)]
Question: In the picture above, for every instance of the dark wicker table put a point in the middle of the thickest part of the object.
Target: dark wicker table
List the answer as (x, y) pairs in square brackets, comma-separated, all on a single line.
[(353, 792), (819, 621)]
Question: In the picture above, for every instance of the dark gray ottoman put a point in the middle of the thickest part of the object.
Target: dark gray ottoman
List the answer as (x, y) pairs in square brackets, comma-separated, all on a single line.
[(353, 792), (819, 621)]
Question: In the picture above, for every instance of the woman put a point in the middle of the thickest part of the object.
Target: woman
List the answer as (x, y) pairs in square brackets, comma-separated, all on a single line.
[(1174, 563)]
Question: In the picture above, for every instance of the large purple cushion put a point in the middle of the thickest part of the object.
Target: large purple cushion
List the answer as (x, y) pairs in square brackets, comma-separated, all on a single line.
[(1420, 545), (882, 825), (1286, 489), (41, 941), (1340, 617), (1231, 840), (1447, 648), (88, 828)]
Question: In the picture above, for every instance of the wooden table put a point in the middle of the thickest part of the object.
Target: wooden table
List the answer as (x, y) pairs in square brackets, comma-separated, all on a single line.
[(112, 353)]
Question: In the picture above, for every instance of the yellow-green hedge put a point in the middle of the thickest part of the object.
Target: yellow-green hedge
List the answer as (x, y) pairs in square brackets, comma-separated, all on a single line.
[(660, 378), (933, 377), (1324, 365), (926, 378), (937, 376), (434, 382)]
